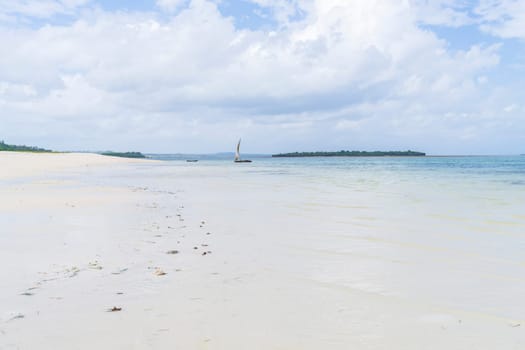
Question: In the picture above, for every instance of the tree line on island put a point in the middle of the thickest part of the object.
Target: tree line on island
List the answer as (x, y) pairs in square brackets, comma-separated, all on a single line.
[(353, 154), (14, 148), (124, 154)]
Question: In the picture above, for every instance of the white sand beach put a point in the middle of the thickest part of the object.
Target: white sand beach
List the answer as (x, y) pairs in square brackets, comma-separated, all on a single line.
[(219, 257)]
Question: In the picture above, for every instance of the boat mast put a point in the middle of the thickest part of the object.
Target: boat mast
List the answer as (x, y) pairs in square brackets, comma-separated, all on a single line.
[(237, 154)]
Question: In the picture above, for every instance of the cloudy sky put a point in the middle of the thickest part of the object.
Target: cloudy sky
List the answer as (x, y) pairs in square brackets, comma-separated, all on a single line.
[(441, 76)]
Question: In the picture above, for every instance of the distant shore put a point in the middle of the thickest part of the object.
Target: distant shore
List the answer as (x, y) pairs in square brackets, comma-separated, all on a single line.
[(22, 148), (124, 154), (352, 154)]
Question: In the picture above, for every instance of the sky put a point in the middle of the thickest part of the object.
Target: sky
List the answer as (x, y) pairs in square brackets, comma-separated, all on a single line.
[(194, 76)]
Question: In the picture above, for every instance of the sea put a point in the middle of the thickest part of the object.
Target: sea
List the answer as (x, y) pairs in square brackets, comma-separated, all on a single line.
[(446, 230)]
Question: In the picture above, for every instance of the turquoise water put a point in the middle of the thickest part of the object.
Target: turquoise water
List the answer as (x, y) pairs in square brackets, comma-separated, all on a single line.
[(446, 229), (506, 169), (443, 231)]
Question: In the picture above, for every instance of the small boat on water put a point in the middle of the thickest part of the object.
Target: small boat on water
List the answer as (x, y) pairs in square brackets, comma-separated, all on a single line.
[(238, 155), (192, 160)]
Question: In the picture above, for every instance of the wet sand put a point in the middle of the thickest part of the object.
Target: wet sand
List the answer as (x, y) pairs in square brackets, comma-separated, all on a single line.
[(107, 253)]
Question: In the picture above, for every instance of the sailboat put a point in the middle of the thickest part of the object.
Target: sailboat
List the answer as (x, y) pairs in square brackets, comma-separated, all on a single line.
[(238, 155)]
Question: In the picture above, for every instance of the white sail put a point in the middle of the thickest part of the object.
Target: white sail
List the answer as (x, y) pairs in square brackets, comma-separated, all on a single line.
[(237, 154)]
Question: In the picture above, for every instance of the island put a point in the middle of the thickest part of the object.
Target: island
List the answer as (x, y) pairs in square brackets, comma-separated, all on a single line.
[(124, 154), (14, 148), (353, 154)]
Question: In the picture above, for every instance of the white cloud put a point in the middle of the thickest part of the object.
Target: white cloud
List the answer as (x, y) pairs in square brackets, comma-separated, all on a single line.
[(510, 108), (40, 8), (16, 91), (347, 74), (451, 13), (285, 10), (503, 18), (171, 5)]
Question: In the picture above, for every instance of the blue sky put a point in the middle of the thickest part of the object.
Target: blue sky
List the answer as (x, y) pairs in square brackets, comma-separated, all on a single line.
[(439, 76)]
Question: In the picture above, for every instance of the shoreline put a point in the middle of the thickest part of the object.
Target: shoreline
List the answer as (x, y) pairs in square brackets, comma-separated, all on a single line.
[(84, 234)]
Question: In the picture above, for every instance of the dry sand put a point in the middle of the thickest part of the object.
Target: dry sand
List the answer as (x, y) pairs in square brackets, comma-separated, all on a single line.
[(82, 234)]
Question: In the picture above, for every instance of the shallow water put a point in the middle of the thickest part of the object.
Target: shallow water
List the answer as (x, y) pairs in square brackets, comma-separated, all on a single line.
[(448, 231), (443, 230)]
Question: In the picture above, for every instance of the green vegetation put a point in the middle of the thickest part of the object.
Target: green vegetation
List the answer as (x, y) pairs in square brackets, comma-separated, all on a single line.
[(12, 148), (124, 154), (352, 154)]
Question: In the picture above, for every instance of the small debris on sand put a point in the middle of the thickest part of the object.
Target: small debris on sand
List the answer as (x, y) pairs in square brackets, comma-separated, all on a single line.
[(16, 317), (515, 325), (208, 233), (159, 272), (72, 272), (119, 271), (195, 248), (95, 265), (27, 294), (204, 253), (172, 252), (115, 309), (120, 293)]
